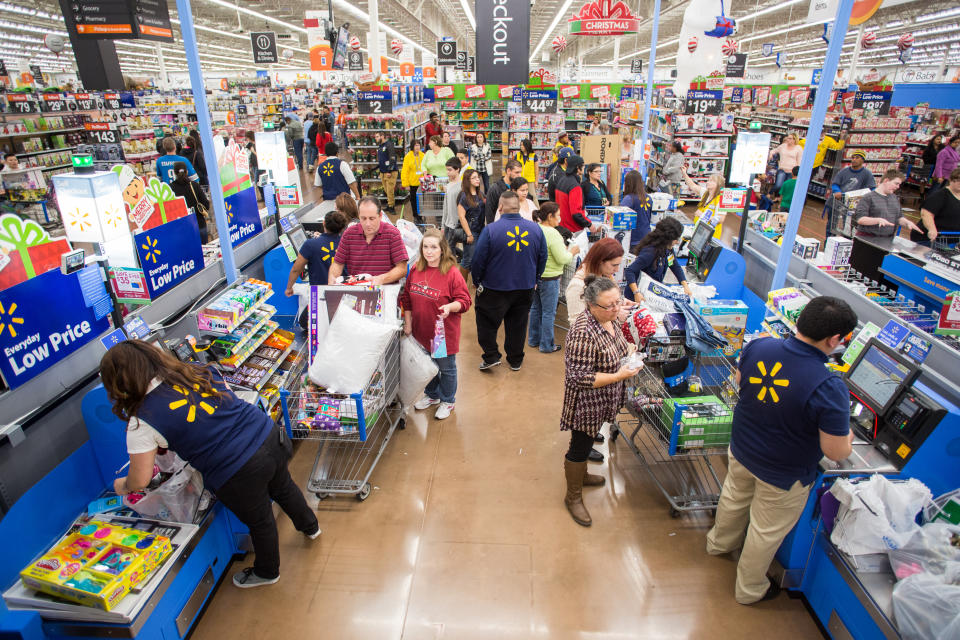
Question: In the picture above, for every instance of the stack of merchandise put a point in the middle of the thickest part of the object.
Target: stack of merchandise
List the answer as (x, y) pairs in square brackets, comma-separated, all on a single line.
[(226, 312)]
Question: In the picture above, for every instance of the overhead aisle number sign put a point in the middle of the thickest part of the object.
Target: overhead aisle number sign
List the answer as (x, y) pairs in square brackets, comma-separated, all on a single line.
[(705, 102), (536, 101), (375, 102)]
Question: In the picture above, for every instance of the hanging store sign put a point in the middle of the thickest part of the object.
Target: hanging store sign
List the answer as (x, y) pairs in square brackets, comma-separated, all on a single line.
[(918, 74), (736, 65), (636, 66), (767, 49), (876, 101), (503, 41), (538, 101), (569, 91), (34, 334), (461, 64), (471, 64), (443, 92), (736, 94), (375, 102), (447, 53), (705, 102), (863, 10), (318, 42), (355, 60), (821, 11), (599, 91), (603, 18), (505, 91), (264, 45), (475, 91), (121, 19)]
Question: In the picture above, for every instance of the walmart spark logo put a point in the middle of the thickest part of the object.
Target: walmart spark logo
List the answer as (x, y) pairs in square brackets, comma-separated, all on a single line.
[(768, 388), (328, 252), (152, 253), (517, 238), (114, 218), (7, 319), (81, 220), (229, 212), (328, 169), (192, 411)]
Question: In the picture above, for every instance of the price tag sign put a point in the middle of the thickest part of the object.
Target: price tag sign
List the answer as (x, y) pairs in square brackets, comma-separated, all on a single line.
[(542, 101), (112, 101), (21, 103), (101, 133), (706, 102), (375, 102), (53, 103), (876, 101), (87, 101)]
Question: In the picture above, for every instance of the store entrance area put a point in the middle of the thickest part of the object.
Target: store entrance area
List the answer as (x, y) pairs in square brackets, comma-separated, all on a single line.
[(465, 536)]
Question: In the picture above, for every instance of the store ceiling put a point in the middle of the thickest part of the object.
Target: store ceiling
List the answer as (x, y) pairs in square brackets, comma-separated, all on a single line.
[(224, 26)]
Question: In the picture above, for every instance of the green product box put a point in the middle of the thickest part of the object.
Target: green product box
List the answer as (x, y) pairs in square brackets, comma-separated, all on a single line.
[(700, 431)]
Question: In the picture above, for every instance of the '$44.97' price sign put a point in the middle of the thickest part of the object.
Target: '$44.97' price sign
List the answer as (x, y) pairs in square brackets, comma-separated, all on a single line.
[(533, 101), (705, 102)]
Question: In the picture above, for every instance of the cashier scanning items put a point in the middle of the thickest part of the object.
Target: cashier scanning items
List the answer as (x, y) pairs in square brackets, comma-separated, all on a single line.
[(878, 213), (241, 453), (654, 255), (792, 412)]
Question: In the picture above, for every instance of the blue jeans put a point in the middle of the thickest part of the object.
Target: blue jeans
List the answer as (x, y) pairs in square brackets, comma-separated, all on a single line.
[(781, 178), (310, 153), (543, 311), (444, 385), (298, 152)]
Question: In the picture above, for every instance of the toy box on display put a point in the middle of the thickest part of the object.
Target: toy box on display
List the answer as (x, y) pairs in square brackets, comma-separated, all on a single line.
[(541, 130), (477, 116)]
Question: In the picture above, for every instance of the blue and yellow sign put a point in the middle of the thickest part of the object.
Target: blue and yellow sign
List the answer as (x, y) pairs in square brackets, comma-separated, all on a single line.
[(243, 216), (35, 333), (169, 254)]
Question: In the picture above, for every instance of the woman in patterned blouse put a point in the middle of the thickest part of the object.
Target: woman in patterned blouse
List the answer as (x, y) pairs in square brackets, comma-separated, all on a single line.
[(593, 388)]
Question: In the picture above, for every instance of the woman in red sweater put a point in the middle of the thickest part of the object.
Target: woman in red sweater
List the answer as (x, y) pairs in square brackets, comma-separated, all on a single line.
[(323, 136), (435, 289)]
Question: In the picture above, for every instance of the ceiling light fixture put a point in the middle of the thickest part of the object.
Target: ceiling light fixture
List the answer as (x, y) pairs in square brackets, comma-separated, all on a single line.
[(469, 14)]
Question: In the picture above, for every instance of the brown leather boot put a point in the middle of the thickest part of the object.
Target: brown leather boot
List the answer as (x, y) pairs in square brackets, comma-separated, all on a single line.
[(593, 480), (574, 472)]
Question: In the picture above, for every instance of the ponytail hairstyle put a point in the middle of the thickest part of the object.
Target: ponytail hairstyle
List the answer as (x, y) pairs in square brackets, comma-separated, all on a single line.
[(130, 366), (546, 210), (180, 172)]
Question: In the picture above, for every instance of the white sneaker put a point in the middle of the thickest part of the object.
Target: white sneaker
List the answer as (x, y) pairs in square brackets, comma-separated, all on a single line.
[(443, 411), (425, 402)]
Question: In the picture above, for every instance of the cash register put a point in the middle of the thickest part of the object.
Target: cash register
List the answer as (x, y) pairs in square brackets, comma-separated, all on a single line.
[(886, 409), (713, 264)]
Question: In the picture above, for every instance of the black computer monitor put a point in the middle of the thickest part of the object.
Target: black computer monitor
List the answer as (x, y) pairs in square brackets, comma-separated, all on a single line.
[(700, 239), (878, 376), (297, 237)]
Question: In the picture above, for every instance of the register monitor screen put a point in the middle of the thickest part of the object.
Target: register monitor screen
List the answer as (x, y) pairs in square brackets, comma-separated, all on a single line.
[(878, 376), (701, 237)]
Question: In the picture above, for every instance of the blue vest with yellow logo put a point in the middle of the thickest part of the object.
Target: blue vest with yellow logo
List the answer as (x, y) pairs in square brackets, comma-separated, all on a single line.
[(215, 435), (333, 181), (774, 434), (514, 254)]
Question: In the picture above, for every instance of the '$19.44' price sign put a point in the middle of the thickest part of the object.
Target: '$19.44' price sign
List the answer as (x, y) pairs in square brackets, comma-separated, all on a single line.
[(534, 101), (705, 102)]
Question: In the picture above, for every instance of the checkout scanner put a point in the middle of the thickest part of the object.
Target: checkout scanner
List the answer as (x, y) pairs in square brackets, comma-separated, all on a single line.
[(711, 263)]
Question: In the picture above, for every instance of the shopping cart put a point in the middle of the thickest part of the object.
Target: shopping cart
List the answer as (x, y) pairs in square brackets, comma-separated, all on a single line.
[(431, 195), (947, 242), (842, 220), (679, 439), (353, 430)]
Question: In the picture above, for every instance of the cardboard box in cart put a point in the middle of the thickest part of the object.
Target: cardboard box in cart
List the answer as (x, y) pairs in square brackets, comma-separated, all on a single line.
[(620, 218), (705, 422), (729, 318)]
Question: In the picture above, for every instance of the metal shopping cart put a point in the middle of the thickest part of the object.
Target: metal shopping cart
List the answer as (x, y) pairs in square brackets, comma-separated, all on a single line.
[(431, 194), (352, 430), (842, 220), (679, 439)]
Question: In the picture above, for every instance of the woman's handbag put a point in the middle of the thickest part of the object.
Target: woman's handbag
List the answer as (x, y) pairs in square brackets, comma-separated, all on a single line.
[(202, 210)]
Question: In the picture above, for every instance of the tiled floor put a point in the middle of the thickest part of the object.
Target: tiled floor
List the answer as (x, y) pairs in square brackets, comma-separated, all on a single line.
[(465, 537)]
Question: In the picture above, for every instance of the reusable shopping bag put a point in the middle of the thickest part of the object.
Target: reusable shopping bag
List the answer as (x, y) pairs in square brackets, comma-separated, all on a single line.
[(438, 346)]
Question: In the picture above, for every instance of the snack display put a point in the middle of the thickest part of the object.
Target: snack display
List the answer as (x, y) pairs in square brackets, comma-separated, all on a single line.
[(224, 314), (97, 564)]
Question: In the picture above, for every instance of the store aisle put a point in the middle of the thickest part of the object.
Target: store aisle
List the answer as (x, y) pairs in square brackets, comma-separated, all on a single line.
[(465, 537)]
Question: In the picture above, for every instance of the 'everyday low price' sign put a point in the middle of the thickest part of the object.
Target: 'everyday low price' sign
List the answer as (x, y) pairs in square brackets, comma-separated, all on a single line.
[(243, 216), (170, 253), (42, 321)]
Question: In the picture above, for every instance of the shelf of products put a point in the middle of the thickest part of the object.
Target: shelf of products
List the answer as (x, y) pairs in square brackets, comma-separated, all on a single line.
[(225, 314), (251, 339)]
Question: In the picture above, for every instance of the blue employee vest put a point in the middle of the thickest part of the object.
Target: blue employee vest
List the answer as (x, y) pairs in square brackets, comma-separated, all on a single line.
[(774, 434), (515, 247), (215, 435), (333, 181)]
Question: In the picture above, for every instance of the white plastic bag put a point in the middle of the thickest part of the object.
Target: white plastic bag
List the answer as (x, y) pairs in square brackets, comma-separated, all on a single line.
[(350, 351), (417, 369), (876, 514), (648, 287), (926, 609), (581, 240), (702, 292), (175, 500), (411, 236)]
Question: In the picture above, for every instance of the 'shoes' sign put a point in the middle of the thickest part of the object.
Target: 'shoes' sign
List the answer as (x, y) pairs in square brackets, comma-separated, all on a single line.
[(603, 18), (503, 41)]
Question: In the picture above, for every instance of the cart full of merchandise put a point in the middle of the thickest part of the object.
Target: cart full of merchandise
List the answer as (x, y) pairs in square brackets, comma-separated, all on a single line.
[(352, 429), (431, 193), (679, 426)]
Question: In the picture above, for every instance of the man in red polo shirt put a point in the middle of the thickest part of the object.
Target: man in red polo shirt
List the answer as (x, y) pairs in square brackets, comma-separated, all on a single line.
[(373, 247)]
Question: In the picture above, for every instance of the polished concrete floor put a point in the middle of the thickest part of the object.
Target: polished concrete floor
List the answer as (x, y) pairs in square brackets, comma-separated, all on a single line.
[(465, 536)]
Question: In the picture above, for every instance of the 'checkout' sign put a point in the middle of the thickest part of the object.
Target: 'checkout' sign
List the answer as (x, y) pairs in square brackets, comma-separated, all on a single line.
[(42, 321)]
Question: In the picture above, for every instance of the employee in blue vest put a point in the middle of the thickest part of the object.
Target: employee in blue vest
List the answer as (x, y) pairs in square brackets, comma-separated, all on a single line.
[(239, 450), (335, 175), (792, 412), (510, 257)]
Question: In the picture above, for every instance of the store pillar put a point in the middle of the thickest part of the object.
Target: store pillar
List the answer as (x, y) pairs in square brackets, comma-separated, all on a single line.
[(97, 63), (648, 93), (819, 112)]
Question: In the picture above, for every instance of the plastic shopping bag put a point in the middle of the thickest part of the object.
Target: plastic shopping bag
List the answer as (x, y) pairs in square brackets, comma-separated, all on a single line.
[(417, 369), (926, 608), (639, 325), (876, 514), (438, 346), (350, 351), (931, 550), (656, 295), (411, 236), (175, 500)]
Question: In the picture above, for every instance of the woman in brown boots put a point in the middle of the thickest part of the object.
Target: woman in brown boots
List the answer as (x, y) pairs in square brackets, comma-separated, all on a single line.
[(593, 389)]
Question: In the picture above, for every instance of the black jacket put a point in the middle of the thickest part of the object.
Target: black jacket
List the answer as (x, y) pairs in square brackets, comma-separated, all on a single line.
[(195, 156), (496, 190), (312, 134), (193, 194), (387, 156)]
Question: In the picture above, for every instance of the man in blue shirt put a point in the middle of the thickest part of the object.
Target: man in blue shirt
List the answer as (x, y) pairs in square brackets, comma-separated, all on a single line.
[(851, 178), (792, 412), (510, 256), (165, 163)]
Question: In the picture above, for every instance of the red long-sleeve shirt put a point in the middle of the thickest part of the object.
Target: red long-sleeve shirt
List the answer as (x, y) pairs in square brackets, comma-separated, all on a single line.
[(322, 141), (431, 130), (423, 296)]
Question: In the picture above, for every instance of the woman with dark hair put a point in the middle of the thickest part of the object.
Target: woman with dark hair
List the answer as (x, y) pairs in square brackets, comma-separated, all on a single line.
[(543, 311), (194, 196), (595, 192), (240, 451), (654, 256), (471, 209), (635, 196), (672, 173), (931, 150), (194, 153), (593, 387), (322, 136), (948, 158), (528, 160), (522, 189)]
